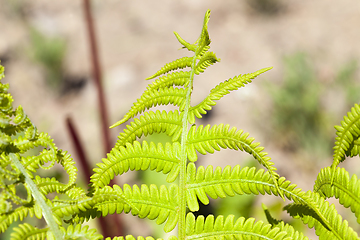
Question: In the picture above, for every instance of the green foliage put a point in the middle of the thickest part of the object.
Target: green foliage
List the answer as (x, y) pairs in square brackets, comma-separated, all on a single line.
[(298, 117), (50, 53), (346, 79), (70, 206)]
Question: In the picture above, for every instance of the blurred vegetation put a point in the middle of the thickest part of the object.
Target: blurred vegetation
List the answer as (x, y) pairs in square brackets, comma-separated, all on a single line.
[(267, 7), (50, 53), (298, 118), (346, 78), (300, 121)]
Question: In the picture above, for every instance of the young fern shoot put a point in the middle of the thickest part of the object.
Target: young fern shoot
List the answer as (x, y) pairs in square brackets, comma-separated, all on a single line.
[(175, 87)]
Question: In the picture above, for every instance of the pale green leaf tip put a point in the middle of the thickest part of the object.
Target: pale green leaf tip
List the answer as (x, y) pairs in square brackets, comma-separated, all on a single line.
[(117, 124), (151, 77)]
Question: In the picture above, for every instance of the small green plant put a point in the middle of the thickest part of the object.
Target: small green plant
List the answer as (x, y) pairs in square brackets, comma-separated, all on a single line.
[(66, 207), (298, 117), (50, 53)]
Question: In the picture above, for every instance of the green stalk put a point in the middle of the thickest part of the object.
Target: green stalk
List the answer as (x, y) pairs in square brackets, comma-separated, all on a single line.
[(183, 156), (46, 210)]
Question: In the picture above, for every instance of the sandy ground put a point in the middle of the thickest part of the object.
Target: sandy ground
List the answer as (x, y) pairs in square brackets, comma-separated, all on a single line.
[(136, 39)]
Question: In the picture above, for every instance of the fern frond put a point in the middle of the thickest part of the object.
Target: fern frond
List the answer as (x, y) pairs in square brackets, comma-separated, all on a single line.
[(84, 216), (342, 187), (274, 222), (137, 157), (150, 98), (32, 163), (147, 202), (220, 228), (4, 120), (174, 65), (190, 47), (203, 41), (180, 78), (42, 139), (291, 232), (149, 123), (206, 140), (221, 90), (50, 185), (347, 133), (208, 183), (324, 218), (208, 59), (355, 150), (204, 183), (6, 102), (2, 75), (27, 232), (17, 214), (78, 231)]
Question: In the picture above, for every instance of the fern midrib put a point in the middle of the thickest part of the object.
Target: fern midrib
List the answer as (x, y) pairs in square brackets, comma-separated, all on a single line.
[(341, 188), (290, 195), (214, 93), (46, 210), (253, 152), (153, 203), (112, 166), (232, 181), (227, 233), (174, 97), (34, 232), (131, 134), (338, 152), (183, 156)]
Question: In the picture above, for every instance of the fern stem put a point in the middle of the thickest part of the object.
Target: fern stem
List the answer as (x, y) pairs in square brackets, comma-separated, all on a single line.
[(183, 156), (46, 210)]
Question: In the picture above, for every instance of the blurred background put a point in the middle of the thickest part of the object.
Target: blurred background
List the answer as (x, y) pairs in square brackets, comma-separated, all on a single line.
[(291, 110)]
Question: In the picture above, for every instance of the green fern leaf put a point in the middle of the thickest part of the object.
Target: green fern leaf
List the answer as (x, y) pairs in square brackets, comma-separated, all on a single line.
[(270, 219), (204, 40), (149, 123), (314, 210), (347, 133), (147, 202), (84, 216), (150, 98), (32, 163), (174, 65), (205, 61), (355, 150), (228, 228), (324, 218), (27, 232), (80, 232), (14, 215), (50, 185), (221, 90), (206, 140), (190, 47), (203, 183), (137, 157), (343, 187), (172, 79)]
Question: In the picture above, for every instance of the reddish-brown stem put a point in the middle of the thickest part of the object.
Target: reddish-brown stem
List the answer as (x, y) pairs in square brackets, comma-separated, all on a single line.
[(84, 162), (111, 225), (107, 229), (97, 74)]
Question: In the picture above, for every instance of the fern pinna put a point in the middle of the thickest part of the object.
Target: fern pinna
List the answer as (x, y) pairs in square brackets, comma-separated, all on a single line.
[(70, 206)]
